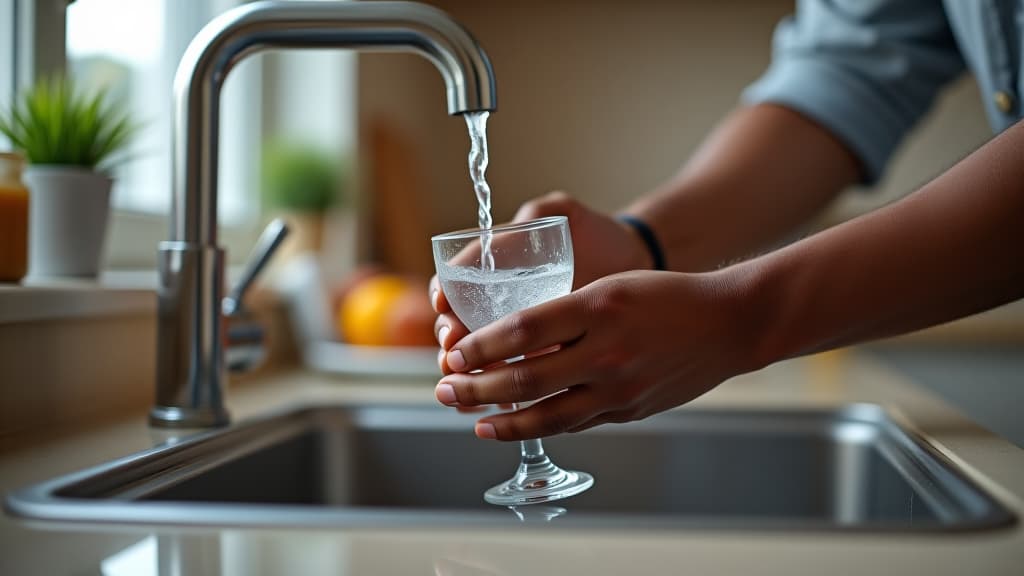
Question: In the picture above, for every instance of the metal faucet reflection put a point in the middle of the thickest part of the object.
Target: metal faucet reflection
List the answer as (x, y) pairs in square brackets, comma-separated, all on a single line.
[(190, 357)]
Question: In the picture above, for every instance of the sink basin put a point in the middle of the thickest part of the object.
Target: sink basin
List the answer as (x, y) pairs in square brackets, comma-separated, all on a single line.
[(388, 466)]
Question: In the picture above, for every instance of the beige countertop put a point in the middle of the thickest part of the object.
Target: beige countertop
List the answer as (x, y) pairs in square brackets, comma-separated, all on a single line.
[(822, 381)]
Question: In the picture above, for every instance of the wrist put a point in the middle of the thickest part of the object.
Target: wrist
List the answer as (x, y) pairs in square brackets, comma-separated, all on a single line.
[(755, 310), (646, 252)]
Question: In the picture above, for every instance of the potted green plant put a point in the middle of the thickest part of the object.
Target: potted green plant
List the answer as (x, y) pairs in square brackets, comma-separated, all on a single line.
[(302, 182), (69, 139)]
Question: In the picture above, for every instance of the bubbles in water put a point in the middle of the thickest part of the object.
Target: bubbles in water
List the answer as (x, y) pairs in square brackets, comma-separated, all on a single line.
[(480, 297)]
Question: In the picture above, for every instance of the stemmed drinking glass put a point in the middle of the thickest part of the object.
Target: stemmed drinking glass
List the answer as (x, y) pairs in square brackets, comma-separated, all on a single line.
[(487, 274)]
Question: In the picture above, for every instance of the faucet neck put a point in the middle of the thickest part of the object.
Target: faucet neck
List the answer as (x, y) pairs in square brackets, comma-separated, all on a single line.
[(238, 33)]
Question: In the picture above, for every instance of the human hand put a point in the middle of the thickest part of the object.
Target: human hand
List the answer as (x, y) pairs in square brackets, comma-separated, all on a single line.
[(601, 244), (619, 349)]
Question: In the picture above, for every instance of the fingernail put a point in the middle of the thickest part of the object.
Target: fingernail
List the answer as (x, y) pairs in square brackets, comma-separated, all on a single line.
[(445, 394), (442, 335), (485, 430), (456, 361), (433, 299)]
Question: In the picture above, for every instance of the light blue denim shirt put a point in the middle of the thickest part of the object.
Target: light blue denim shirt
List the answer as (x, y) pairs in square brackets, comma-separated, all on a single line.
[(867, 70)]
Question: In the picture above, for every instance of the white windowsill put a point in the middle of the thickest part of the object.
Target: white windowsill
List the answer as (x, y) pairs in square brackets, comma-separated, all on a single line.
[(113, 294)]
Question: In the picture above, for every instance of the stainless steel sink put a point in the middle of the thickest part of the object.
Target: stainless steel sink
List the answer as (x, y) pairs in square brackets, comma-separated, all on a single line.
[(383, 466)]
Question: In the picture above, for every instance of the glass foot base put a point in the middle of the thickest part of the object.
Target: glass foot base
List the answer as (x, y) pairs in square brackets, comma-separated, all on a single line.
[(538, 482)]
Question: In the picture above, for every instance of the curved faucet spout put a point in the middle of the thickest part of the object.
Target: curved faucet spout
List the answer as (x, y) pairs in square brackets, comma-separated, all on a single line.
[(190, 363), (229, 38)]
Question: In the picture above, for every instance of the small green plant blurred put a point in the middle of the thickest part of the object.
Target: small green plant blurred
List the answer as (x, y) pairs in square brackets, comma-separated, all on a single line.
[(53, 123), (300, 178)]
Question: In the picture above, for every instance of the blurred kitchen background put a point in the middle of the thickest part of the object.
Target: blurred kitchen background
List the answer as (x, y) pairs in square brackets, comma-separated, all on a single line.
[(603, 99)]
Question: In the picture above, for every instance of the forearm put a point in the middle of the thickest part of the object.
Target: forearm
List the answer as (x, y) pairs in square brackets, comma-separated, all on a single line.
[(951, 249), (762, 173)]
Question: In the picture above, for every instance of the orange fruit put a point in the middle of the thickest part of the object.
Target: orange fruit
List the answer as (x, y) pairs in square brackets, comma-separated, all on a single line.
[(364, 311), (411, 321)]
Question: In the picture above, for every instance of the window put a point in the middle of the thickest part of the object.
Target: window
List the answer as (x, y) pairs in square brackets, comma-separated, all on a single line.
[(8, 41), (31, 42), (133, 48)]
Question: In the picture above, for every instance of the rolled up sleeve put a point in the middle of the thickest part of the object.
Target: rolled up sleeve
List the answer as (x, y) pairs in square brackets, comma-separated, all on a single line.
[(866, 70)]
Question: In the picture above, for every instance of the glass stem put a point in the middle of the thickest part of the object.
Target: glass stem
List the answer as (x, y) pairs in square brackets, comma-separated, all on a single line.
[(532, 451)]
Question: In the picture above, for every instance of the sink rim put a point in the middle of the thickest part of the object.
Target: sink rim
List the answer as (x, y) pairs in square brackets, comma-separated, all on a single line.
[(920, 463)]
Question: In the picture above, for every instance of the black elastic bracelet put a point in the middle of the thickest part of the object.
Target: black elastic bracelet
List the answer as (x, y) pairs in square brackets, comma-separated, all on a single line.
[(647, 235)]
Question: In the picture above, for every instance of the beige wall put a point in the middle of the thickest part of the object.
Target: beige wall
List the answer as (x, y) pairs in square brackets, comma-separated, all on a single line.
[(601, 98)]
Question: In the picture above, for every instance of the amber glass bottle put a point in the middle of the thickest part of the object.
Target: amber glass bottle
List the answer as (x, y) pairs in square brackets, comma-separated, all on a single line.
[(13, 219)]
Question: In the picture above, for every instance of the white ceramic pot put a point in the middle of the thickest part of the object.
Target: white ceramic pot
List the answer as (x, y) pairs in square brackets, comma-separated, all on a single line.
[(68, 210)]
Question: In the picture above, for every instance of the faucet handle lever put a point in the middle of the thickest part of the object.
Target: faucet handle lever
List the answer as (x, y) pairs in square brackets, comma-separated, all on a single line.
[(268, 242)]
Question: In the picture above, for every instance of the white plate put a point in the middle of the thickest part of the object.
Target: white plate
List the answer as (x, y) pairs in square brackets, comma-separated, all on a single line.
[(338, 357)]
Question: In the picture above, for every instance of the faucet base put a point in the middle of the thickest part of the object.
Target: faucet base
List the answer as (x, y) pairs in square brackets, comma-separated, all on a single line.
[(176, 417), (190, 360)]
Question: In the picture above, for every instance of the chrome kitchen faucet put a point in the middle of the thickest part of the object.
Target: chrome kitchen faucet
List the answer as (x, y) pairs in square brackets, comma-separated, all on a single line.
[(190, 356)]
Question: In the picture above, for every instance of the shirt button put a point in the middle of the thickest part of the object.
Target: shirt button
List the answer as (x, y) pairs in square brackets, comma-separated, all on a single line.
[(1003, 100)]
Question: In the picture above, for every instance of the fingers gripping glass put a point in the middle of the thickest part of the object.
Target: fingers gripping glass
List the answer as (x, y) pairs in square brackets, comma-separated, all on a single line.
[(529, 264)]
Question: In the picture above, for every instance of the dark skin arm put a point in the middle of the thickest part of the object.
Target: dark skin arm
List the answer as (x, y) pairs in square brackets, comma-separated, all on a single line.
[(759, 176), (762, 173), (953, 248), (633, 344)]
